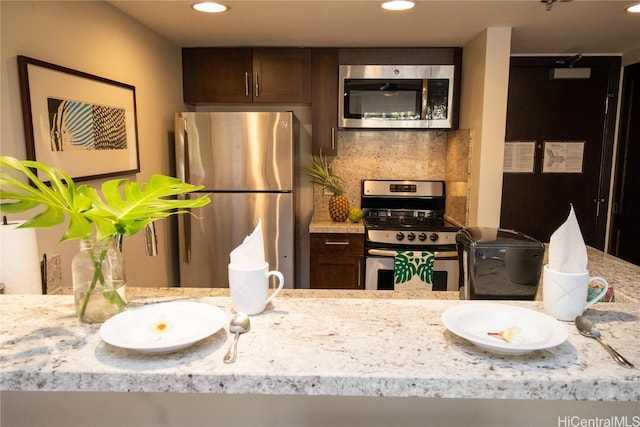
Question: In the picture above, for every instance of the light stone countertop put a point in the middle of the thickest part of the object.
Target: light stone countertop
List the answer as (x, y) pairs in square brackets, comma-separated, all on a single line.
[(328, 226), (310, 345)]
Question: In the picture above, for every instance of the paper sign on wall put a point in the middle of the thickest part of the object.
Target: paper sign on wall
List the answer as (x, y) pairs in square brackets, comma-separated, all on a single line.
[(519, 156), (563, 157)]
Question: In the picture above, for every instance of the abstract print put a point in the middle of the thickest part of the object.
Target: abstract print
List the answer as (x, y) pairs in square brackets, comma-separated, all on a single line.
[(75, 125)]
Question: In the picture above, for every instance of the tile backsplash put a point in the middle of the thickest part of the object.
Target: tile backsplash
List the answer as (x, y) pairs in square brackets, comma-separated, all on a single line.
[(370, 154)]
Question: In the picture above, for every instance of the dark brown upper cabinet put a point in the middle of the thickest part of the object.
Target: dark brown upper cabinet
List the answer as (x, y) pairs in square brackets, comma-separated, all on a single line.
[(401, 56), (324, 100), (245, 75)]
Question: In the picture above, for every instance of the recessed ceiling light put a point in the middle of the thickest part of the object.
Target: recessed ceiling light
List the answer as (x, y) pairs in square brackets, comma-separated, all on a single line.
[(210, 7), (398, 4), (634, 8)]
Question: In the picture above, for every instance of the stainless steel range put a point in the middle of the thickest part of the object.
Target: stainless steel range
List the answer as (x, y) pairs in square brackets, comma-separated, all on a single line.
[(404, 215)]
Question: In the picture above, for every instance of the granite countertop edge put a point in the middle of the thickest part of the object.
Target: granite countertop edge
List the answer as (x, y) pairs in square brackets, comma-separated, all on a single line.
[(326, 385)]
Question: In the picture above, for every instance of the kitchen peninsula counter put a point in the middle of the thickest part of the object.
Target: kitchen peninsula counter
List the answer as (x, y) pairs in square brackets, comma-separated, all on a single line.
[(307, 345)]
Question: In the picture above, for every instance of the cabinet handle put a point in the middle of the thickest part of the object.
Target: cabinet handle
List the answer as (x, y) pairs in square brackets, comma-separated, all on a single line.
[(333, 139), (257, 86), (246, 83), (360, 274), (337, 242)]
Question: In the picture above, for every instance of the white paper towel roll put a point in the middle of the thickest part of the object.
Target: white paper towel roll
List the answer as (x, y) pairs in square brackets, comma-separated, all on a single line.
[(19, 259)]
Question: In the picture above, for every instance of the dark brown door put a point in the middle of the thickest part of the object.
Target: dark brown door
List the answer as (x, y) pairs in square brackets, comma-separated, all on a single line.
[(546, 110), (625, 229)]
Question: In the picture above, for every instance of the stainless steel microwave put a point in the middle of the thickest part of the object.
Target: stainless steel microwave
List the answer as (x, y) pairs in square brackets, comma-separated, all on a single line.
[(395, 96)]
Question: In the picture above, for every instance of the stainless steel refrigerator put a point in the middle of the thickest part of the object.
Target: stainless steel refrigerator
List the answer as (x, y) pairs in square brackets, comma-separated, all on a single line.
[(244, 160)]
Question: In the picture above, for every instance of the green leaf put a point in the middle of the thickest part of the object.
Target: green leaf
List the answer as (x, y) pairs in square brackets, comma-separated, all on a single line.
[(47, 218), (124, 207)]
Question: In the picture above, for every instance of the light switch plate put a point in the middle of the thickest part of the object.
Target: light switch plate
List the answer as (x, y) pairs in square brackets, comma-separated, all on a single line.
[(54, 274)]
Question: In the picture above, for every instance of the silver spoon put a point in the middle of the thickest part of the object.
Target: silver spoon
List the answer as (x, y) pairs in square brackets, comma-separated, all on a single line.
[(239, 324), (587, 328)]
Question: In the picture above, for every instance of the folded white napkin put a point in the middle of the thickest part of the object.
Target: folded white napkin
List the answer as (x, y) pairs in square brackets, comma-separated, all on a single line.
[(250, 253), (567, 251)]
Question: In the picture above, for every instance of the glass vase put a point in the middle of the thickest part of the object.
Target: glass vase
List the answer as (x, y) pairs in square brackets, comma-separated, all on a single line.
[(98, 280)]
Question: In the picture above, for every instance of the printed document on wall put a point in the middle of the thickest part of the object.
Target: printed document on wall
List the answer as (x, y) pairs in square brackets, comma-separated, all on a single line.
[(519, 156), (563, 157)]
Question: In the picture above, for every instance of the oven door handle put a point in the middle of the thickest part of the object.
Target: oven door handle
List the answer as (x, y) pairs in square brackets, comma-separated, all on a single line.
[(386, 253)]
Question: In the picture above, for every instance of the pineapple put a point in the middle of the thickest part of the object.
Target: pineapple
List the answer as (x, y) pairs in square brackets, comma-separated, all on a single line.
[(321, 173)]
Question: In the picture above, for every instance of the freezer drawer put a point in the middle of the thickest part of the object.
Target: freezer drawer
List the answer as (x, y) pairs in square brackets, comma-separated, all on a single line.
[(235, 151), (206, 239)]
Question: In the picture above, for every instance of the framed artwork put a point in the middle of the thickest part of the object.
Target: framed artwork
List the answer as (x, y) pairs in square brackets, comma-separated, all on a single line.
[(80, 123)]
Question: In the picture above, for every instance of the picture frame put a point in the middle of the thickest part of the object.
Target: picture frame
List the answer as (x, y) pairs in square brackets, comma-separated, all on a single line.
[(80, 123)]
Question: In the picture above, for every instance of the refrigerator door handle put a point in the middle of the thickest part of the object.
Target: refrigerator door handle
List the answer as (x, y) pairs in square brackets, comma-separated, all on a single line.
[(182, 163), (187, 236), (182, 173)]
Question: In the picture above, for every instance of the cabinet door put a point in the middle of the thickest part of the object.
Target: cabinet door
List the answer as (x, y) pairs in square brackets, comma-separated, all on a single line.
[(337, 261), (216, 75), (281, 75), (336, 272), (324, 100)]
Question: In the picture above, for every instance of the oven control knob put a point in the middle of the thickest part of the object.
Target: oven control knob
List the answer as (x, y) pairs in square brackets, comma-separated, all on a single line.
[(433, 237), (400, 236), (422, 237), (411, 236)]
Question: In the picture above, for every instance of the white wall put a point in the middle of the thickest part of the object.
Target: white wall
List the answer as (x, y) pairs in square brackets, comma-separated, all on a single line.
[(485, 81), (96, 38)]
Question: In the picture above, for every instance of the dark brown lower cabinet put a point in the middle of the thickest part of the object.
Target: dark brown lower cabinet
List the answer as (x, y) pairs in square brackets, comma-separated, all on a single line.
[(337, 261)]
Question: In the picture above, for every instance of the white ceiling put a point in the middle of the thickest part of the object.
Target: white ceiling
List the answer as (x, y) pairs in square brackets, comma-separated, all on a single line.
[(579, 26)]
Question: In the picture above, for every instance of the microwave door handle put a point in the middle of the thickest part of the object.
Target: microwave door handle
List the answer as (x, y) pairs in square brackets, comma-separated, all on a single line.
[(425, 98)]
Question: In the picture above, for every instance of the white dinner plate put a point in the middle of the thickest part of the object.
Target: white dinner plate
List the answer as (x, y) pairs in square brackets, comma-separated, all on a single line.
[(163, 327), (532, 330)]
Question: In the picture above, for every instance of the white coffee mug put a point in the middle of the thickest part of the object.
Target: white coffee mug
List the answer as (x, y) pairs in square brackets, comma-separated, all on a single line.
[(249, 288), (564, 295)]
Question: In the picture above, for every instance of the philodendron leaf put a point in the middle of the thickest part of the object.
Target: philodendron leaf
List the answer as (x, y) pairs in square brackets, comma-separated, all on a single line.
[(126, 208), (134, 205), (17, 196)]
